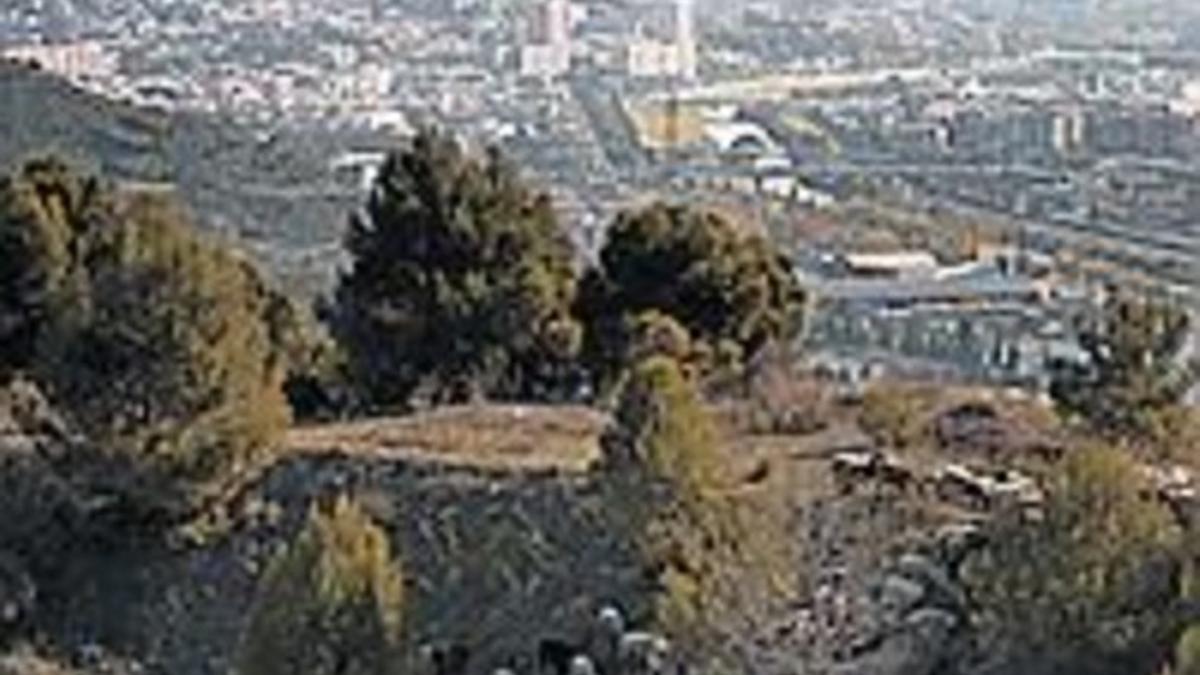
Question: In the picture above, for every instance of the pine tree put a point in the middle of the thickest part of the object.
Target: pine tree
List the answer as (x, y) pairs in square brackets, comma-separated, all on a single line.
[(715, 564), (728, 288), (161, 357), (45, 210), (461, 284)]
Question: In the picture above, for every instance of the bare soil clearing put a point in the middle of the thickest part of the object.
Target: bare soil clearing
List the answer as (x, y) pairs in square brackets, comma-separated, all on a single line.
[(493, 437)]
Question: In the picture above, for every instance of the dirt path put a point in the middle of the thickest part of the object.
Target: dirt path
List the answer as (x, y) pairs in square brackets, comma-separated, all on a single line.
[(512, 438)]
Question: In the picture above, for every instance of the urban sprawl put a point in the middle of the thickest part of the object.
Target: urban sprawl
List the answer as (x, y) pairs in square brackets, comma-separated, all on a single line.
[(958, 182)]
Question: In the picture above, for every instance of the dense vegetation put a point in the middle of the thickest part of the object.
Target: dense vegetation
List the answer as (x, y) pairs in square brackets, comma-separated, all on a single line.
[(152, 340), (157, 368), (712, 565), (1092, 587), (722, 286), (461, 283)]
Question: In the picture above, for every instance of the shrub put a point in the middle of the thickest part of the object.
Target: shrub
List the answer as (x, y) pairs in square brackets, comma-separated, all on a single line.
[(1187, 653), (898, 416), (661, 432), (782, 402), (332, 604), (1174, 435), (715, 563)]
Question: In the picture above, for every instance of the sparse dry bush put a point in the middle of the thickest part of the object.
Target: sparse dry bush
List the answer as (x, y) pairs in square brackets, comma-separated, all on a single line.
[(898, 415), (782, 403), (1174, 435)]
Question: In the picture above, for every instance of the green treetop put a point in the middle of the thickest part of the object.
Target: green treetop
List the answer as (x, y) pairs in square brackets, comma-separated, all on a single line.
[(461, 283)]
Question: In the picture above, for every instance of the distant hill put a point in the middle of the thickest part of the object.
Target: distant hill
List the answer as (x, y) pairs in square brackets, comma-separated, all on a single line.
[(271, 190)]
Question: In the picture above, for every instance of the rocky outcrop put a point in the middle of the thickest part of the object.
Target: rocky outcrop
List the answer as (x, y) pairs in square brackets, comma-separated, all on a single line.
[(921, 611), (980, 429)]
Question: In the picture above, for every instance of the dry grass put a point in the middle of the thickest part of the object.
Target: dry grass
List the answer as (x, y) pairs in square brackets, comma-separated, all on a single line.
[(516, 438)]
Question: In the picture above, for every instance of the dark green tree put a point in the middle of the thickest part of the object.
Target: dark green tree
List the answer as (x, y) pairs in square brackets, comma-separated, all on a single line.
[(46, 209), (152, 342), (332, 604), (315, 382), (161, 357), (725, 285), (1133, 374), (462, 281)]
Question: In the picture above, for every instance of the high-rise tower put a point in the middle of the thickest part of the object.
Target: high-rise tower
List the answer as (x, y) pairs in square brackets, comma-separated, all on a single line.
[(685, 37), (547, 51), (664, 42)]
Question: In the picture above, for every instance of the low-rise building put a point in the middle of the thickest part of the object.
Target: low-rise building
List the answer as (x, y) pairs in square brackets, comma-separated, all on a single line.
[(77, 61)]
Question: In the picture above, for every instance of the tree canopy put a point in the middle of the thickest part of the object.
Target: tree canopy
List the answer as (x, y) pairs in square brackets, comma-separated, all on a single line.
[(461, 282), (151, 340), (714, 563), (725, 285), (1133, 373)]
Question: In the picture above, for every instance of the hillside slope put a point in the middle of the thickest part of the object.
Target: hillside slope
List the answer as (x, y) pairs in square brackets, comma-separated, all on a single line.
[(269, 189), (499, 523)]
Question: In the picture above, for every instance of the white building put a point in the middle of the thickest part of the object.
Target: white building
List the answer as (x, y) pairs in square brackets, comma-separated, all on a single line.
[(546, 52), (545, 61), (77, 61), (671, 53), (685, 38), (552, 23), (365, 87), (1189, 102)]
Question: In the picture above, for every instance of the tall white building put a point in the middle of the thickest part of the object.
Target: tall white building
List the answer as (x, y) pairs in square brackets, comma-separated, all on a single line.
[(685, 37), (555, 20), (665, 45), (546, 52)]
